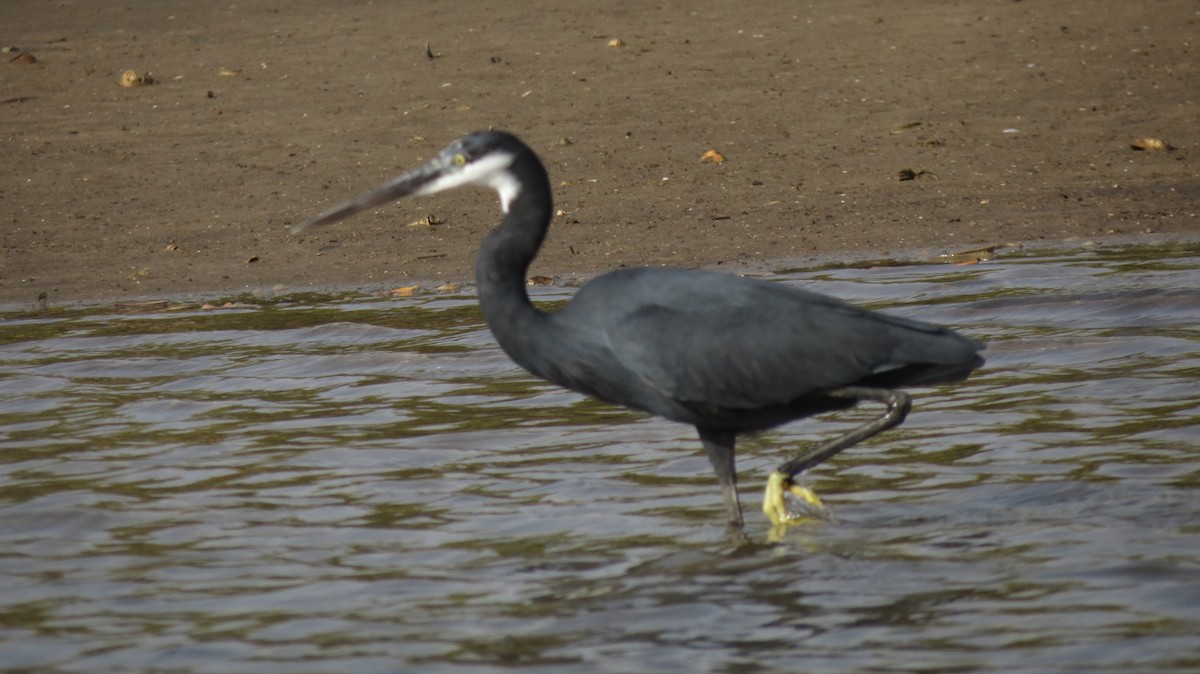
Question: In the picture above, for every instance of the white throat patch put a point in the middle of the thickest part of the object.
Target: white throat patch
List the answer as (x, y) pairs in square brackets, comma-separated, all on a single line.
[(506, 185), (489, 171)]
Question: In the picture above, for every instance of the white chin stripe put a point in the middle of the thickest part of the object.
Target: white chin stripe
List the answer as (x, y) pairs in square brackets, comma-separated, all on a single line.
[(490, 171), (507, 186)]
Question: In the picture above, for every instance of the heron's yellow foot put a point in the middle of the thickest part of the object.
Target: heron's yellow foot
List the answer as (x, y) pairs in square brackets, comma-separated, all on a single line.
[(775, 505)]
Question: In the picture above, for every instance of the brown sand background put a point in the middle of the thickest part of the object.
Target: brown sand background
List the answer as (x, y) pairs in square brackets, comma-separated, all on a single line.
[(1020, 113)]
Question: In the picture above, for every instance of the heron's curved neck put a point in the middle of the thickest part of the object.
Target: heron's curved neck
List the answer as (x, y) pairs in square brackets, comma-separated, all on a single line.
[(507, 251)]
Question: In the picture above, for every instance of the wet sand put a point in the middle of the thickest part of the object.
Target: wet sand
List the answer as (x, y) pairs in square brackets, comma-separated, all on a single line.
[(1014, 119)]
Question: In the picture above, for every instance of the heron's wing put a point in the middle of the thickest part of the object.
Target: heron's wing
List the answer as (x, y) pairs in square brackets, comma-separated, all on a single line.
[(741, 344)]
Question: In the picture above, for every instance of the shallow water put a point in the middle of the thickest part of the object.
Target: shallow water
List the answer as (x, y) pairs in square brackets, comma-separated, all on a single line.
[(356, 484)]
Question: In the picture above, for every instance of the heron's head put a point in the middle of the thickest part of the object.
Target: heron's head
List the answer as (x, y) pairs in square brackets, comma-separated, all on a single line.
[(484, 158)]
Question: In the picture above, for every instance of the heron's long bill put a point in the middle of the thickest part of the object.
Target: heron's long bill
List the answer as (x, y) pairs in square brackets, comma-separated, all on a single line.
[(400, 186)]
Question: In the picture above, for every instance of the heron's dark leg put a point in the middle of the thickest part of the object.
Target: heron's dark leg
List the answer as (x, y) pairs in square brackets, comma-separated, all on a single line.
[(719, 447), (898, 404)]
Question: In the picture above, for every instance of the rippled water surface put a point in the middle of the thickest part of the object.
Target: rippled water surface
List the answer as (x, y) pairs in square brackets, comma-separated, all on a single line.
[(358, 484)]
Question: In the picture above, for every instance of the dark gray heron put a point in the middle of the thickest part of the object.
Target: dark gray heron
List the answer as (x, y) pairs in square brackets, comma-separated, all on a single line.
[(726, 354)]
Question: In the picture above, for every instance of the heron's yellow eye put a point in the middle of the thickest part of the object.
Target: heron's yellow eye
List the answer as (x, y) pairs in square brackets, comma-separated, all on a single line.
[(460, 159)]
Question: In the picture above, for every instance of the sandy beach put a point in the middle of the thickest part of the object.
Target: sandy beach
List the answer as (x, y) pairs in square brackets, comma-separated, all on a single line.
[(852, 130)]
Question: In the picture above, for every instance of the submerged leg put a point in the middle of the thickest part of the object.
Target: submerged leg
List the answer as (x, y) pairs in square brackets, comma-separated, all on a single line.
[(898, 404), (718, 445)]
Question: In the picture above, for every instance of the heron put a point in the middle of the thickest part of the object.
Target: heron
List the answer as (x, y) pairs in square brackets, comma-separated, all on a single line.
[(727, 354)]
